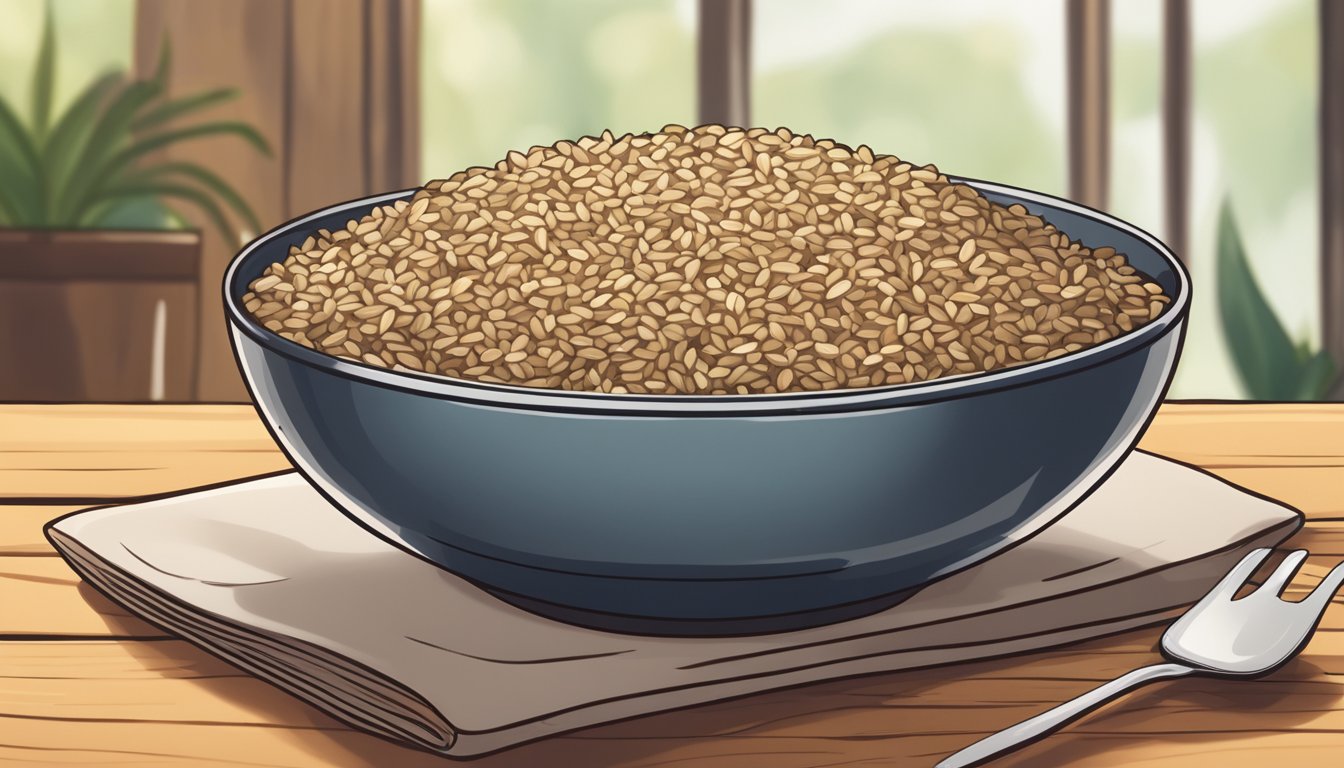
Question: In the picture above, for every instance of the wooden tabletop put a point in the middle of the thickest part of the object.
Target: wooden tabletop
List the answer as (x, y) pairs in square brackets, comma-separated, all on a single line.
[(84, 683)]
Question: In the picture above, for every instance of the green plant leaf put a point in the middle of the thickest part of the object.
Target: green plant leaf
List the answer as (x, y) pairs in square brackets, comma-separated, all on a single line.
[(7, 214), (44, 79), (79, 170), (20, 169), (110, 131), (93, 215), (119, 163), (123, 191), (11, 211), (165, 58), (1317, 377), (12, 201), (1261, 349), (68, 137), (144, 212), (205, 178), (159, 140), (175, 108), (175, 218)]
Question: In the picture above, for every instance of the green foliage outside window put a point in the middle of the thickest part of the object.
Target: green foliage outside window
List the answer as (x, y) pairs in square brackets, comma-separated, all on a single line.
[(1270, 365)]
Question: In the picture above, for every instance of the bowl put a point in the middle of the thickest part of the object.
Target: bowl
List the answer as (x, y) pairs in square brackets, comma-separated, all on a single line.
[(684, 514)]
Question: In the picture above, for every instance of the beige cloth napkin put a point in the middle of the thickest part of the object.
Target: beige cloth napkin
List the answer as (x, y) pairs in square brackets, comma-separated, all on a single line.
[(267, 575)]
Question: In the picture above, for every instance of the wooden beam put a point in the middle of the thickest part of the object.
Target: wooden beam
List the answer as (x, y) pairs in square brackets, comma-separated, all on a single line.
[(392, 104), (353, 109), (214, 45), (1088, 41), (1332, 183), (1176, 95), (724, 62), (325, 119)]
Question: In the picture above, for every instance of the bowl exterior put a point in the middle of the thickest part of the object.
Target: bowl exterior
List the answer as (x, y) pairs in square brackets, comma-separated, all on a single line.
[(706, 517)]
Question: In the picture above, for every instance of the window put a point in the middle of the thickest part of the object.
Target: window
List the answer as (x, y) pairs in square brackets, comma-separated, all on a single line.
[(974, 86), (979, 87), (501, 74), (1253, 136), (94, 36)]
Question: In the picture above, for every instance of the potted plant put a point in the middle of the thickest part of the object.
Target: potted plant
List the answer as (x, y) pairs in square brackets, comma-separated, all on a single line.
[(98, 278)]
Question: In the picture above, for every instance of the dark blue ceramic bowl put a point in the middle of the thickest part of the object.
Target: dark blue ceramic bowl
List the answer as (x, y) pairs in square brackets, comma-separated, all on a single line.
[(711, 514)]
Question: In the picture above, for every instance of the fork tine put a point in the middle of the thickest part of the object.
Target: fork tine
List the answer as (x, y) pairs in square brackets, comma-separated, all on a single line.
[(1237, 576), (1284, 573), (1322, 595)]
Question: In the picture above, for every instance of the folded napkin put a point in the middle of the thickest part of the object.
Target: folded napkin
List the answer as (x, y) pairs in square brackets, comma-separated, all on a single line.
[(269, 576)]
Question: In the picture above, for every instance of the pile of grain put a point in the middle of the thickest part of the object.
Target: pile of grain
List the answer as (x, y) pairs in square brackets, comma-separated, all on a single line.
[(704, 261)]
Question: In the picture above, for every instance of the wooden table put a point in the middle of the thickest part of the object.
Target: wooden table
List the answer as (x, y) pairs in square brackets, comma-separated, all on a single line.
[(84, 683)]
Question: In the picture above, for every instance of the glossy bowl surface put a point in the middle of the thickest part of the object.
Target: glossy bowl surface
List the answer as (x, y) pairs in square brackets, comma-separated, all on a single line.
[(711, 514)]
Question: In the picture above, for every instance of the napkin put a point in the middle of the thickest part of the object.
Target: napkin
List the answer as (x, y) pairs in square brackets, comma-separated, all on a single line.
[(267, 575)]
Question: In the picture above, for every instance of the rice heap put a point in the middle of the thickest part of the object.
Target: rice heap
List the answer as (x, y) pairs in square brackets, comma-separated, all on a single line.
[(709, 260)]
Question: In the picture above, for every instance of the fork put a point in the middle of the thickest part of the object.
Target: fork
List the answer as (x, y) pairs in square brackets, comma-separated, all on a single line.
[(1219, 636)]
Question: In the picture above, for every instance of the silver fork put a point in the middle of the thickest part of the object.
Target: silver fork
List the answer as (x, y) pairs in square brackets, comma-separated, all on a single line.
[(1219, 636)]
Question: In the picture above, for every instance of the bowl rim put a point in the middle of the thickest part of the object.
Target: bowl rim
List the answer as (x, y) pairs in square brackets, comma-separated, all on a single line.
[(762, 404)]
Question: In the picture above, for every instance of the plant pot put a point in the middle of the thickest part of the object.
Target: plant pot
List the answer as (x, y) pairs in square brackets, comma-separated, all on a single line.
[(107, 315)]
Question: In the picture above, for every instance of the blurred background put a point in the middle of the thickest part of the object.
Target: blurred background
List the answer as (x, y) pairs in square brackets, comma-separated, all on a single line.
[(1163, 112)]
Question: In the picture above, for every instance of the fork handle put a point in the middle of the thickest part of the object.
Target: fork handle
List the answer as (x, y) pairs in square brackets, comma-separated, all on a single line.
[(1048, 722)]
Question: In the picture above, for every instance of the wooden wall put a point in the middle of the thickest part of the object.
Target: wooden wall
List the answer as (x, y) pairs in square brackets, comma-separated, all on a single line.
[(333, 86)]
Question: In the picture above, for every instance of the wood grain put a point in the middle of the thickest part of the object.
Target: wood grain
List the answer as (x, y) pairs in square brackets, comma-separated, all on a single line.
[(327, 102), (108, 254), (100, 452), (21, 528), (42, 596), (1176, 112), (97, 340), (1293, 452), (161, 703), (392, 39), (1249, 434), (1088, 77), (723, 67), (82, 683), (108, 697)]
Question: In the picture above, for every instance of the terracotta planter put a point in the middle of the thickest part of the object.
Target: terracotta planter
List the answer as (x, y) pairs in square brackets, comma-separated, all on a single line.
[(105, 315)]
